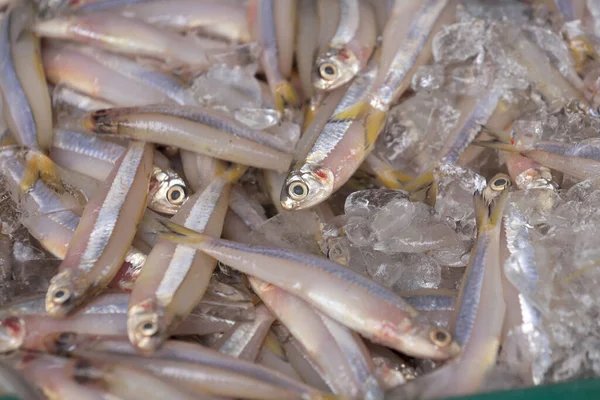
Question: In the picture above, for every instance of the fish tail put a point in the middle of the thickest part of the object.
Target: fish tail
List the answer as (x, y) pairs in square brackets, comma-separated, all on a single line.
[(285, 96), (40, 166)]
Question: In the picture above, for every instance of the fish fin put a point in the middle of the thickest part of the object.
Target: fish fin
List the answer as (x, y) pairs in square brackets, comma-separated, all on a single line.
[(40, 166), (178, 233), (420, 182), (285, 96), (350, 113), (272, 344), (496, 144), (502, 136), (482, 211), (374, 124), (235, 172)]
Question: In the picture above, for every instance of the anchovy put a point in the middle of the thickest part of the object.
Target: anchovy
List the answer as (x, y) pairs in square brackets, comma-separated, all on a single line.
[(104, 234)]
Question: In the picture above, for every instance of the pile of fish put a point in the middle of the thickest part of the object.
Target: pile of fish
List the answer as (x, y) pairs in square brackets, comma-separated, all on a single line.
[(298, 199)]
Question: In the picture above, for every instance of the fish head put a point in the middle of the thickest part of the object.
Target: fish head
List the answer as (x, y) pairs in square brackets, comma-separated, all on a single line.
[(335, 68), (168, 191), (429, 341), (146, 326), (12, 333), (306, 187), (100, 121), (65, 293)]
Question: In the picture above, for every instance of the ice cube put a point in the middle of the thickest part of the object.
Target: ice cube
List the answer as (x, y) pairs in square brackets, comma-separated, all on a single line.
[(428, 77), (298, 230), (458, 42)]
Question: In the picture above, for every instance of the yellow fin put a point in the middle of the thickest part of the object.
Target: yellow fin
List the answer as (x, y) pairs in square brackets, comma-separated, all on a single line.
[(420, 182), (350, 113), (285, 95), (40, 166), (374, 124)]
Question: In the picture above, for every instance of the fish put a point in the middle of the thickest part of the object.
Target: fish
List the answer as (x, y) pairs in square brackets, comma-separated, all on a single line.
[(110, 77), (245, 339), (380, 315), (175, 277), (350, 48), (177, 350), (320, 339), (223, 20), (96, 157), (579, 159), (261, 17), (307, 32), (50, 218), (26, 325), (480, 307), (199, 378), (312, 178), (354, 126), (194, 129), (126, 36), (26, 102), (104, 233), (126, 381)]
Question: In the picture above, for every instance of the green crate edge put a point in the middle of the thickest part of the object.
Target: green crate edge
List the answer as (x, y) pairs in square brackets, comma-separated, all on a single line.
[(585, 389)]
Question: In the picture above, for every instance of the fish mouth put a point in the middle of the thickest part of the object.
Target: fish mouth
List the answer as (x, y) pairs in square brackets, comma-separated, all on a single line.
[(12, 334), (303, 190)]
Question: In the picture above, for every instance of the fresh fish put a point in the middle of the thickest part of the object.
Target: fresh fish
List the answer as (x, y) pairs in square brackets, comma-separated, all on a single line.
[(580, 160), (245, 339), (312, 177), (200, 169), (64, 96), (224, 20), (175, 277), (95, 158), (376, 313), (126, 381), (194, 129), (51, 220), (24, 325), (285, 28), (480, 305), (307, 32), (111, 77), (321, 343), (349, 49), (200, 378), (184, 351), (261, 17), (357, 122), (26, 99), (127, 36), (104, 234)]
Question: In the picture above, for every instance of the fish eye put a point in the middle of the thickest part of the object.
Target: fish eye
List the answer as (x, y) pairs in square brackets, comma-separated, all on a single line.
[(176, 195), (148, 328), (328, 71), (499, 184), (61, 296), (298, 190), (440, 337)]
